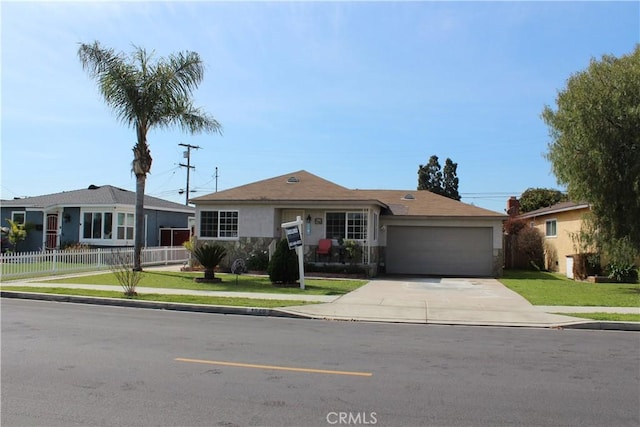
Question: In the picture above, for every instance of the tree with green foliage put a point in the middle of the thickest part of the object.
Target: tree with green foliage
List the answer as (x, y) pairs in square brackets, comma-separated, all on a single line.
[(450, 180), (537, 198), (430, 175), (146, 94), (433, 178), (595, 143), (283, 267)]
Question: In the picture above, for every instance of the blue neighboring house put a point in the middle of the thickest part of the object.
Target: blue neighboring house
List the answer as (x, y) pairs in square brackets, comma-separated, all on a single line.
[(98, 216)]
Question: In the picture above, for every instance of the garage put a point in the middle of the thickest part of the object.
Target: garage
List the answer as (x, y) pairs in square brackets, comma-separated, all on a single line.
[(440, 251)]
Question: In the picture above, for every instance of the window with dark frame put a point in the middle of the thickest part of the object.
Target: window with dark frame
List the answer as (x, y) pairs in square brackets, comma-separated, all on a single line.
[(219, 224), (346, 225)]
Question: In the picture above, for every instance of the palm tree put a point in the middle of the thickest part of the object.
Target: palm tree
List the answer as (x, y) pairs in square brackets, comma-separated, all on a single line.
[(209, 256), (146, 94)]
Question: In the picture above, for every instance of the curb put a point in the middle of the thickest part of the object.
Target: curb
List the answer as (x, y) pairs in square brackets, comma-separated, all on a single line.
[(271, 312), (606, 326), (197, 308)]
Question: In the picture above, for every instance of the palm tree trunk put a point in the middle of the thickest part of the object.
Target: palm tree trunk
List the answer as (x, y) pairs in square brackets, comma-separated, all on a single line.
[(141, 167), (139, 230)]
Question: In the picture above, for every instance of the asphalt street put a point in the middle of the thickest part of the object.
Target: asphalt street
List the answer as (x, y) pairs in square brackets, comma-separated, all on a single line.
[(72, 364)]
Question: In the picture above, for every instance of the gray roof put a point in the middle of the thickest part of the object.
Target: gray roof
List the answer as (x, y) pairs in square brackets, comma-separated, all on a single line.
[(94, 196)]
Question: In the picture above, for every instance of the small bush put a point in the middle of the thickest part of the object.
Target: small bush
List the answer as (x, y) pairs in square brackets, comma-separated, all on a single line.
[(623, 273), (531, 245), (622, 256), (122, 268), (283, 267), (258, 261), (74, 246)]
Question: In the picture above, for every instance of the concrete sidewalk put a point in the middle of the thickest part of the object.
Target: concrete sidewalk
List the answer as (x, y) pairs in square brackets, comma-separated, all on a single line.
[(445, 301)]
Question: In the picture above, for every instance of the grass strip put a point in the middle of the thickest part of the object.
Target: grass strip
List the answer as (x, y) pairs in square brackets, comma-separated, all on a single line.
[(184, 299), (230, 283), (613, 317)]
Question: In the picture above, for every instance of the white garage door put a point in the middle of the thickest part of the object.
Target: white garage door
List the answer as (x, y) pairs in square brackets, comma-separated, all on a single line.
[(440, 251)]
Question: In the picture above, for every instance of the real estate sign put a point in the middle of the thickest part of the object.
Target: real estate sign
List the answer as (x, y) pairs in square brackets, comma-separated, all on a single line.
[(293, 236)]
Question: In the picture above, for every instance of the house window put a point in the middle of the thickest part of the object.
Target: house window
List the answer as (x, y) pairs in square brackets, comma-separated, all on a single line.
[(219, 224), (346, 225), (97, 225), (126, 225), (550, 228), (18, 217)]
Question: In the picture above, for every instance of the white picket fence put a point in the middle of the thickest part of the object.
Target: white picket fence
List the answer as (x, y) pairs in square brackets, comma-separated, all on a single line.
[(27, 264)]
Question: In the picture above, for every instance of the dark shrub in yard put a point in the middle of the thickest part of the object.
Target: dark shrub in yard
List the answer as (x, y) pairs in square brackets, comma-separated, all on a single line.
[(283, 267), (258, 261), (531, 245)]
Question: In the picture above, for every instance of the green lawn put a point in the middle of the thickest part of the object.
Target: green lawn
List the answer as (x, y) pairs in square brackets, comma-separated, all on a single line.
[(185, 299), (541, 288), (184, 280)]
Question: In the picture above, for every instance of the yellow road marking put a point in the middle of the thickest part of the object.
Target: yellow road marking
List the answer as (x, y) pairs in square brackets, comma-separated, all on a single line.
[(279, 368)]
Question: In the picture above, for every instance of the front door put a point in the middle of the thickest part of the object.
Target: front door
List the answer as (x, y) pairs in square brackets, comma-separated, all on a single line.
[(52, 232)]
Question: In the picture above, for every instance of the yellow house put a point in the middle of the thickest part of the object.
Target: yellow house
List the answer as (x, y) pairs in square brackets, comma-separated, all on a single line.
[(557, 223)]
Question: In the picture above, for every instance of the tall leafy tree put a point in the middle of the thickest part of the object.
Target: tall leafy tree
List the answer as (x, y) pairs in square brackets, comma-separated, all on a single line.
[(146, 93), (595, 143), (433, 178), (430, 176), (450, 180), (536, 198)]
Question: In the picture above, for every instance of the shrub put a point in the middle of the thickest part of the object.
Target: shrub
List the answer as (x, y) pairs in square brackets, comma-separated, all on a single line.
[(74, 246), (623, 273), (122, 267), (621, 266), (209, 256), (531, 245), (258, 261), (283, 267)]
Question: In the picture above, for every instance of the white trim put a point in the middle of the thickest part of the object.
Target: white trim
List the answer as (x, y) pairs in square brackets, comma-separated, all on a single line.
[(23, 213)]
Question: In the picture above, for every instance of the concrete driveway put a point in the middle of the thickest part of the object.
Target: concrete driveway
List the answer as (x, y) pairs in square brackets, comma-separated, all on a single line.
[(435, 300)]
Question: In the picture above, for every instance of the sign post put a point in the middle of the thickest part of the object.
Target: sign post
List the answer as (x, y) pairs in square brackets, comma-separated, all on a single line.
[(294, 238)]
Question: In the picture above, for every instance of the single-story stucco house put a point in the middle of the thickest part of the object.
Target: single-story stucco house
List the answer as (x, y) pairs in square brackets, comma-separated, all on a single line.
[(397, 231), (98, 216)]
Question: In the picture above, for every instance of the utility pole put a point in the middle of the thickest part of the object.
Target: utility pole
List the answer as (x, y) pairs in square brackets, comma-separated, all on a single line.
[(187, 155), (216, 179)]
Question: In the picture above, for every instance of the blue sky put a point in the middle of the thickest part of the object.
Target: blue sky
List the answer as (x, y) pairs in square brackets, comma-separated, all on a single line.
[(359, 93)]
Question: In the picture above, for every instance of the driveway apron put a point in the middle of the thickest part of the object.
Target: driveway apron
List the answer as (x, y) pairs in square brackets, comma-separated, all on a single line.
[(451, 301)]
